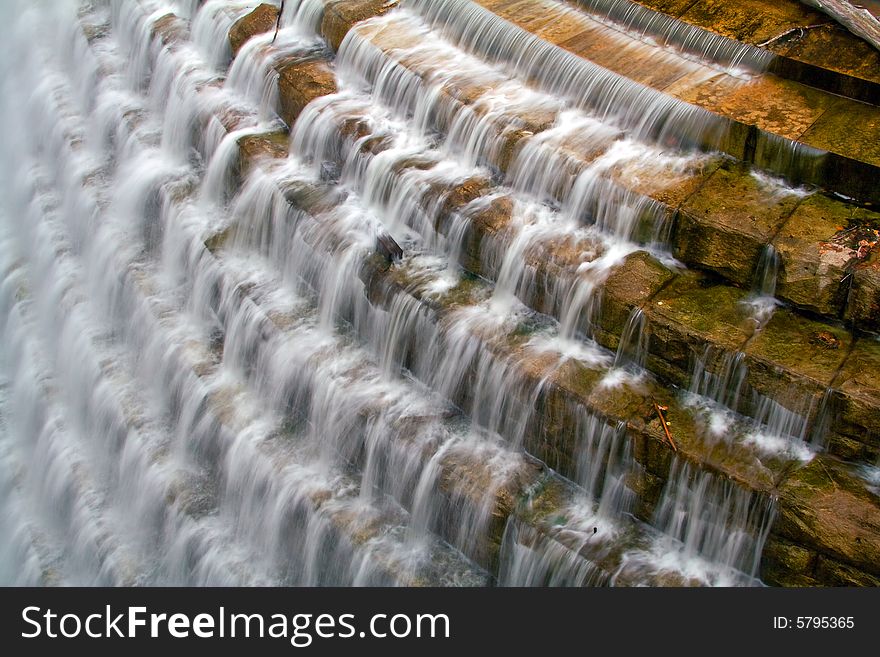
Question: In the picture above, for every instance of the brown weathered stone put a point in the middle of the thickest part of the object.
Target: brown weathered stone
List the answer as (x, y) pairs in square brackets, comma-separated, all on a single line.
[(488, 217), (833, 48), (851, 129), (260, 20), (629, 286), (252, 148), (689, 315), (786, 564), (726, 224), (857, 387), (299, 83), (341, 15), (823, 508), (751, 21), (863, 302), (812, 264), (793, 361), (830, 572)]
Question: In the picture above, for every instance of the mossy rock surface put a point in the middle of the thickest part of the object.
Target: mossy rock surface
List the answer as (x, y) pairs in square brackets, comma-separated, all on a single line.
[(800, 348), (815, 255), (632, 284), (725, 225), (824, 508), (858, 387)]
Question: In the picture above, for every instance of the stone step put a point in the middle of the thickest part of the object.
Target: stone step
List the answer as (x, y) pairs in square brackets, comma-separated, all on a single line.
[(658, 432), (227, 409), (560, 262), (807, 46), (407, 283), (817, 238), (806, 134)]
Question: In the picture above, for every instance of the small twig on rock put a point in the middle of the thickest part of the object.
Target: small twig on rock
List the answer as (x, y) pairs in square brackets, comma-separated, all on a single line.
[(794, 29), (665, 426), (278, 21), (830, 478)]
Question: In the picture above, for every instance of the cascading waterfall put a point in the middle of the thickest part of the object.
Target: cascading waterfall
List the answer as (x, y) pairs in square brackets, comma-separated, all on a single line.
[(649, 24), (252, 411)]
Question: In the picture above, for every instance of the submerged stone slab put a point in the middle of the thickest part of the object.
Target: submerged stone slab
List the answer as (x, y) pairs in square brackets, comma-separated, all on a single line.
[(726, 224), (782, 107), (260, 20)]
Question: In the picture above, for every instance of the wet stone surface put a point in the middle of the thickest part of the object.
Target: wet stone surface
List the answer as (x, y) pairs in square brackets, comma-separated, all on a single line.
[(725, 225)]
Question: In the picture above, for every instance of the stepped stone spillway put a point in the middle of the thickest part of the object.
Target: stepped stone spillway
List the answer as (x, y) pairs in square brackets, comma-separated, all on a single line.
[(439, 292)]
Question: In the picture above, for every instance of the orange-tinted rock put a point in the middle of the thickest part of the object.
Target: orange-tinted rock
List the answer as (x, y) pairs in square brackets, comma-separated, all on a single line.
[(300, 83), (253, 148), (260, 20), (341, 15)]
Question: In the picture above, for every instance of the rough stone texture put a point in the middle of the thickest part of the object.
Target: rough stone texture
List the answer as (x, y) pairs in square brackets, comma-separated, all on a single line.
[(857, 392), (813, 266), (833, 47), (848, 128), (823, 508), (629, 286), (863, 303), (751, 21), (726, 224), (793, 360), (253, 148), (672, 7), (687, 316), (488, 217), (831, 58), (299, 83), (465, 477), (260, 20), (451, 200), (785, 564), (831, 572), (341, 15)]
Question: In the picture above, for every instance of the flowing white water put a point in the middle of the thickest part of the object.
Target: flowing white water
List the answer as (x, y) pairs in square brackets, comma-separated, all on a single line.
[(259, 412)]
